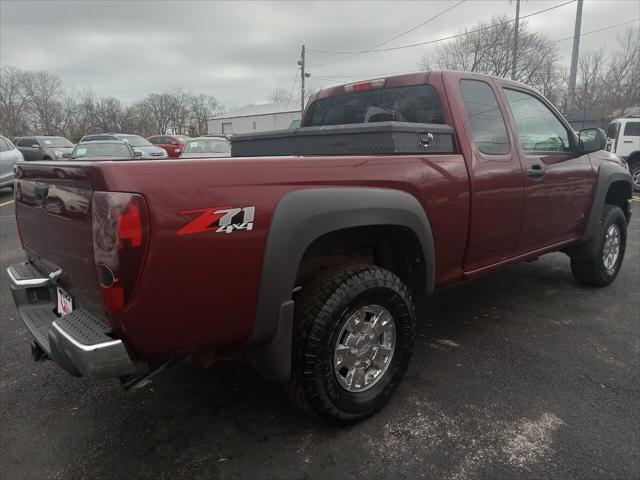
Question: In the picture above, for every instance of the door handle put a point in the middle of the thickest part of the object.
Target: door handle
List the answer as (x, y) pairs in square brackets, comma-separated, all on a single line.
[(535, 172)]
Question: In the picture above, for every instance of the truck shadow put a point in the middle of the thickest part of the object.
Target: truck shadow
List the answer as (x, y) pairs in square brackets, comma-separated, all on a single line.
[(227, 420)]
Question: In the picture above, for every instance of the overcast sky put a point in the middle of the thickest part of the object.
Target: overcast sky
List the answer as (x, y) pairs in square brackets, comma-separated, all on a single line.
[(241, 51)]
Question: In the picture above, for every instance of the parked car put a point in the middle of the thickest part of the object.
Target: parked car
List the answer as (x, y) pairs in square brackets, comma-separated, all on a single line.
[(9, 155), (623, 139), (138, 143), (309, 261), (172, 144), (104, 150), (209, 146), (44, 147)]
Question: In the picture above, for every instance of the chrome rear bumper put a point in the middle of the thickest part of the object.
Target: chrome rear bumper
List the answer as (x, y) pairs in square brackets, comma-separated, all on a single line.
[(79, 342)]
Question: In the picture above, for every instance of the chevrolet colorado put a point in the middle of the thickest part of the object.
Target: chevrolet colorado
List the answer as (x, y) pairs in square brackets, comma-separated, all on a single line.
[(309, 263)]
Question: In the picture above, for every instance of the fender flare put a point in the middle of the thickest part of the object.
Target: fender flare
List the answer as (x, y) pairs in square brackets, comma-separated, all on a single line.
[(635, 153), (301, 217), (608, 173)]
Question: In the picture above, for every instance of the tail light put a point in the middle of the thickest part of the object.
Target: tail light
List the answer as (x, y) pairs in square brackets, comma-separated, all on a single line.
[(120, 236)]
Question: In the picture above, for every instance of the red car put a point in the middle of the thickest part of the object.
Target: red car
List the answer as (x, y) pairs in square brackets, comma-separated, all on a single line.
[(173, 144), (307, 250)]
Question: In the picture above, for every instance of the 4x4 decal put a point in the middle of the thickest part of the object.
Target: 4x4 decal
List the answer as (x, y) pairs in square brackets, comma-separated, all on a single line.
[(223, 219)]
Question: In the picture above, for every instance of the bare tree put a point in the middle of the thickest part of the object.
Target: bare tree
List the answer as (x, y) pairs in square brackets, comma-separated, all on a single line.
[(487, 49), (158, 107), (203, 107), (179, 110), (14, 101), (621, 81), (278, 95), (44, 90)]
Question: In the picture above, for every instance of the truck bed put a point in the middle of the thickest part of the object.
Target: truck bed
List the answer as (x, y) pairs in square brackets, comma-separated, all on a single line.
[(177, 266)]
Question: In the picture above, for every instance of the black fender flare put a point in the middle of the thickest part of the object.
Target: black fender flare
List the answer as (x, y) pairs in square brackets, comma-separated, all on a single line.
[(301, 217), (635, 153), (608, 173)]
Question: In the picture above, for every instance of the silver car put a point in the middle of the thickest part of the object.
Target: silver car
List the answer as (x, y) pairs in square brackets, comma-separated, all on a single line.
[(207, 147), (138, 143), (9, 155)]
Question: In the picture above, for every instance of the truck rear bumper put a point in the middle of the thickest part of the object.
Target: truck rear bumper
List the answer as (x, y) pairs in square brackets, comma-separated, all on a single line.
[(79, 342)]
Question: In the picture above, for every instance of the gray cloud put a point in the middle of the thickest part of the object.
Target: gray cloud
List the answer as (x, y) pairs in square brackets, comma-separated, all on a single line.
[(240, 51)]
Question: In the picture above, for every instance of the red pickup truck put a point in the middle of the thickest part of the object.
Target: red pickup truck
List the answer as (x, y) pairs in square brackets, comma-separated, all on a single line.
[(309, 264)]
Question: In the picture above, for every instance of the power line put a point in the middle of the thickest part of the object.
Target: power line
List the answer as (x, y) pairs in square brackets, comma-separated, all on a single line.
[(336, 78), (295, 80), (450, 37), (596, 31), (371, 49)]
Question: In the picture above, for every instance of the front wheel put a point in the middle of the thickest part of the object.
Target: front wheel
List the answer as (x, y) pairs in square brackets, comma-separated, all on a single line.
[(602, 266), (355, 328)]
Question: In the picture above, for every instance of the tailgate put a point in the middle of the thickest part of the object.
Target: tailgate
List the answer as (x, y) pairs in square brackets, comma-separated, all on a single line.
[(53, 211)]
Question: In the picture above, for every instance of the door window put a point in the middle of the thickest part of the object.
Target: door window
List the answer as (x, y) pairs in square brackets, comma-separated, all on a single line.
[(487, 124), (4, 147), (539, 130)]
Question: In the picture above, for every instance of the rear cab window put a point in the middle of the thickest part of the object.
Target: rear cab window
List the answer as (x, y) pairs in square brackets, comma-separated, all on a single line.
[(412, 104), (487, 124)]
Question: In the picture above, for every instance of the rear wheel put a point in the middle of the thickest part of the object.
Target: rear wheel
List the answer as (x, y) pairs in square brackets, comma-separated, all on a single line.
[(634, 168), (354, 336), (602, 266)]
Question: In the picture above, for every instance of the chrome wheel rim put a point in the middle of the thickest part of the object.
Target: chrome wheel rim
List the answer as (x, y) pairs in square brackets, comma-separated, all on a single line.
[(636, 178), (364, 348), (611, 249)]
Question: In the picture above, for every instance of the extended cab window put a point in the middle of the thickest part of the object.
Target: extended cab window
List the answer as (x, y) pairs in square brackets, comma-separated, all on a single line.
[(413, 104), (632, 129), (487, 124), (539, 130)]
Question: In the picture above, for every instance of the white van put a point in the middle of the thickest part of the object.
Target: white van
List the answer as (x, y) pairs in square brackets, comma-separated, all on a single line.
[(623, 139)]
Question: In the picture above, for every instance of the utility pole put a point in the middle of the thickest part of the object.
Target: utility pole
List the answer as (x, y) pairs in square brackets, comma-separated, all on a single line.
[(303, 75), (574, 58), (514, 63)]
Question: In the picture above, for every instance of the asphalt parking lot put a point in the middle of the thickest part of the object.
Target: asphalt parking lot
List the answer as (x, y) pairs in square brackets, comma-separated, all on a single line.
[(523, 374)]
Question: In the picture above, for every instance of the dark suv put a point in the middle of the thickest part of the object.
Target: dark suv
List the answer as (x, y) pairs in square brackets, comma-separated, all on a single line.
[(44, 147)]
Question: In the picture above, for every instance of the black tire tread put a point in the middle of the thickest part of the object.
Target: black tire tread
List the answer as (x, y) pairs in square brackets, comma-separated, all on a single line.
[(312, 314), (590, 271)]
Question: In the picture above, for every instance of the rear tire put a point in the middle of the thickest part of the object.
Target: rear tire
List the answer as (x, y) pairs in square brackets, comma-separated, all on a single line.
[(366, 313), (601, 267), (634, 169)]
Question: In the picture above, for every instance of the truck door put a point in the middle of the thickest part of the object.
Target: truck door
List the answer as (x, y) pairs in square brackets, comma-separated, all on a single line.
[(558, 181), (495, 173)]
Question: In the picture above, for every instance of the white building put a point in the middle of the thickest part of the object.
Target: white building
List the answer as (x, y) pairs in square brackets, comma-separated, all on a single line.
[(256, 118)]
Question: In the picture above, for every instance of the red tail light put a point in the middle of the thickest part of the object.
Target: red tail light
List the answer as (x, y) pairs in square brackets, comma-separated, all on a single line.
[(120, 237)]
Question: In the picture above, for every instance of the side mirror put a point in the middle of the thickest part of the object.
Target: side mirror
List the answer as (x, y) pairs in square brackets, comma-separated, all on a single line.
[(137, 153), (66, 155), (35, 145), (592, 140), (178, 150)]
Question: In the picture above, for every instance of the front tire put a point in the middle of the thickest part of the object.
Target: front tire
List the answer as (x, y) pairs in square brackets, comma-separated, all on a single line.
[(602, 266), (354, 334)]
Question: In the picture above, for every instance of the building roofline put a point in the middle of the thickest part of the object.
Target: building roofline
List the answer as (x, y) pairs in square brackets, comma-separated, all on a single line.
[(253, 115)]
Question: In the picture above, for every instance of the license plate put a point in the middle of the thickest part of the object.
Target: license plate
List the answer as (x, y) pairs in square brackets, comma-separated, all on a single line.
[(65, 303)]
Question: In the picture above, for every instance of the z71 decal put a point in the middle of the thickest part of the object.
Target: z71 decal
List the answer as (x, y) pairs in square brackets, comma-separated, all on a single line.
[(219, 219)]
